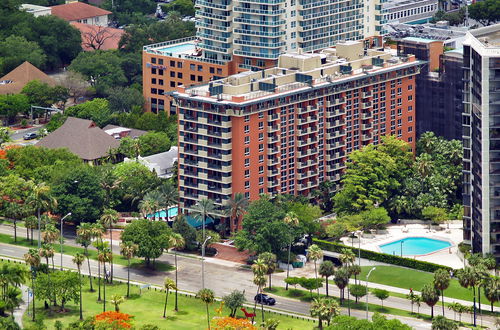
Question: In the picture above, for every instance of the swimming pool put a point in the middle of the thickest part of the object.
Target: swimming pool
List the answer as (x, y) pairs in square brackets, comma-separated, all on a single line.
[(174, 49), (414, 246), (172, 212)]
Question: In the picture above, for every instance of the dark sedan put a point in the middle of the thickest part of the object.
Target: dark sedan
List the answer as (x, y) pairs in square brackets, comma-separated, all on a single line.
[(264, 299)]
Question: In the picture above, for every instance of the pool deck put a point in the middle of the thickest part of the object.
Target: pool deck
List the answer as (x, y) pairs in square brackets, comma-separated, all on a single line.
[(448, 256)]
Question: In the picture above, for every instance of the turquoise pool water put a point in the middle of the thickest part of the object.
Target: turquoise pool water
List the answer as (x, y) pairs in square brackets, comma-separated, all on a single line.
[(413, 246), (174, 49), (173, 211)]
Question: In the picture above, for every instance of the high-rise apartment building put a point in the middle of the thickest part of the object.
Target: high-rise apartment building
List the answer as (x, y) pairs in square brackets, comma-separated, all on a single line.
[(481, 130), (240, 35), (287, 129)]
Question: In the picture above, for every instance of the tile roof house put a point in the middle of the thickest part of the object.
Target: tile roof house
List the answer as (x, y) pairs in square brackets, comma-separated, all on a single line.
[(83, 138), (14, 81), (82, 13), (98, 37)]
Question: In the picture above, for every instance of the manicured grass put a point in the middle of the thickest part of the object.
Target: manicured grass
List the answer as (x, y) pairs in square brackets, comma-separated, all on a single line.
[(148, 309), (406, 278), (72, 250)]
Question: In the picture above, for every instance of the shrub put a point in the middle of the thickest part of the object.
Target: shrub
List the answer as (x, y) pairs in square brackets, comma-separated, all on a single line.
[(383, 257)]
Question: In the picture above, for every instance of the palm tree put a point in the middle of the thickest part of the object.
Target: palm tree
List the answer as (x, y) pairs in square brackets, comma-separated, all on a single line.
[(208, 297), (442, 282), (153, 201), (84, 234), (116, 300), (347, 258), (315, 253), (270, 260), (30, 223), (169, 194), (430, 295), (467, 277), (50, 234), (104, 256), (168, 284), (146, 207), (235, 208), (41, 200), (260, 281), (108, 218), (108, 183), (291, 220), (326, 269), (78, 260), (341, 280), (492, 290), (176, 242), (324, 309), (128, 250), (14, 211), (201, 210), (99, 245), (12, 299), (45, 252), (259, 269), (32, 258)]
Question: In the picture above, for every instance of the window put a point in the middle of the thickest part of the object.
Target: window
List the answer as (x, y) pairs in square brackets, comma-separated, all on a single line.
[(153, 81), (219, 71), (261, 125), (154, 91), (247, 173), (200, 68), (247, 184), (261, 115), (160, 82), (261, 181), (172, 64), (247, 139), (261, 63), (192, 77), (261, 158), (172, 84), (179, 75), (153, 60), (247, 162), (261, 147), (192, 67), (179, 65), (410, 129), (410, 87), (261, 137), (160, 72), (212, 70), (247, 118), (247, 129), (200, 78), (172, 74), (410, 108), (410, 97), (410, 139), (261, 169), (153, 71), (410, 119), (247, 151), (247, 194), (160, 61)]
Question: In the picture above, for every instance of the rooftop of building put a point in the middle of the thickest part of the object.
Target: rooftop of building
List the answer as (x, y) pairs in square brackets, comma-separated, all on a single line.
[(401, 3), (33, 8), (489, 36), (103, 37), (185, 48), (437, 31), (14, 81), (75, 11), (296, 71)]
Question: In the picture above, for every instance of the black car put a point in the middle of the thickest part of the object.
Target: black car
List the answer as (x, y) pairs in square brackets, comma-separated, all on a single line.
[(30, 136), (264, 299)]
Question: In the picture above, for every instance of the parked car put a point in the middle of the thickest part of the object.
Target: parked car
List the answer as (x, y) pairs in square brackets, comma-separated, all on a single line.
[(30, 136), (264, 299)]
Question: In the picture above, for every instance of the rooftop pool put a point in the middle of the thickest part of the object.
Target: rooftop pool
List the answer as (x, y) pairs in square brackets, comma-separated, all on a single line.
[(414, 246), (178, 48)]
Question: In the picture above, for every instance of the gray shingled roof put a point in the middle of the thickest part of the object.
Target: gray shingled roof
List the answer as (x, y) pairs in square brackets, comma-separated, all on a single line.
[(82, 137)]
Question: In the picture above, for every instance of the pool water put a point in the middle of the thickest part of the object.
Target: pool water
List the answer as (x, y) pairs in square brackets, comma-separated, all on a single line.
[(174, 49), (412, 246), (172, 212)]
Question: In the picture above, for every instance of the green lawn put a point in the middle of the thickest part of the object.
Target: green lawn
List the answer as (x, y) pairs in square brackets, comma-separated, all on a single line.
[(72, 250), (148, 309), (406, 278)]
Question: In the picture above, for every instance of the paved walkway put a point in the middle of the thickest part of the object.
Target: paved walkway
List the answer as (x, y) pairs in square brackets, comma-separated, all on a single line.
[(19, 311)]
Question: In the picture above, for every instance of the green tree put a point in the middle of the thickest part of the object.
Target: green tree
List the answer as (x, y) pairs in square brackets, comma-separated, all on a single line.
[(324, 309), (169, 194), (206, 296), (117, 300), (358, 291), (485, 12), (78, 260), (492, 290), (4, 135), (96, 110), (310, 284), (42, 94), (65, 287), (315, 253), (341, 280), (381, 294), (235, 209), (152, 238), (102, 69), (430, 295), (41, 199), (442, 323), (11, 105), (435, 214), (168, 284), (270, 260), (153, 143), (442, 282), (84, 235), (108, 218), (342, 322), (128, 250), (233, 301), (32, 258), (176, 241), (327, 269), (183, 7), (182, 227), (104, 255), (14, 50)]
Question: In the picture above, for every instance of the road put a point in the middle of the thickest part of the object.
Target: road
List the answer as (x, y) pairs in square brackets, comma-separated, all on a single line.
[(224, 276)]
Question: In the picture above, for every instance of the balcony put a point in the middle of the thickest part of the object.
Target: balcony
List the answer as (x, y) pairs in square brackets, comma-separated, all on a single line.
[(272, 129), (335, 102), (272, 161), (259, 33), (366, 126), (366, 137), (307, 120), (367, 94), (272, 172), (272, 151), (259, 22), (191, 151), (202, 13), (366, 105), (366, 115), (259, 11), (272, 183), (259, 44)]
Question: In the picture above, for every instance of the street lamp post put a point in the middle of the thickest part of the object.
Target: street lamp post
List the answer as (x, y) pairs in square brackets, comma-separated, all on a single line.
[(62, 219), (203, 263), (367, 276)]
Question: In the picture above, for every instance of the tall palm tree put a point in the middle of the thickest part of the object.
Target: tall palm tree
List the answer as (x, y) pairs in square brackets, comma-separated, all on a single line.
[(315, 254), (327, 269), (176, 241), (292, 220), (348, 259), (84, 234), (341, 280), (324, 309), (128, 250), (12, 299), (30, 223), (146, 207), (208, 297), (492, 290), (41, 200), (467, 277), (14, 211), (78, 260), (108, 218), (442, 282), (100, 246), (108, 183), (50, 234), (170, 195), (201, 210), (270, 260), (152, 201), (168, 284), (104, 256), (32, 258), (430, 295), (259, 269), (235, 208), (45, 252)]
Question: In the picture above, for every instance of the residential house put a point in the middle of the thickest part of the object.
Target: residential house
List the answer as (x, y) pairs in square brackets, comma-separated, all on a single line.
[(96, 37), (163, 164), (81, 13), (14, 81), (36, 10)]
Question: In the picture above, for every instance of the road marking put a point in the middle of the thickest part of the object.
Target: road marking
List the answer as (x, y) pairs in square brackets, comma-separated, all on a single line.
[(8, 250)]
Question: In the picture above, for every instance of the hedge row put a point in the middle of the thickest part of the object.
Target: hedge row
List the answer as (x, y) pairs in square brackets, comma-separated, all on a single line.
[(382, 257)]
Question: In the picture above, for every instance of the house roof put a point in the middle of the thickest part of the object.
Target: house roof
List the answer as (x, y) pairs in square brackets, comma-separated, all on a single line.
[(100, 36), (82, 137), (14, 81), (75, 11), (133, 132)]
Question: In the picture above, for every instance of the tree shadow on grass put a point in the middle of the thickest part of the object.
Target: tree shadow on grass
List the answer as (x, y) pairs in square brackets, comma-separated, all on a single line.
[(181, 313), (159, 266)]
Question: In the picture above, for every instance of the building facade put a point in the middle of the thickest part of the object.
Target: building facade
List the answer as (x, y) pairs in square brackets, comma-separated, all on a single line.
[(481, 138), (289, 128)]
